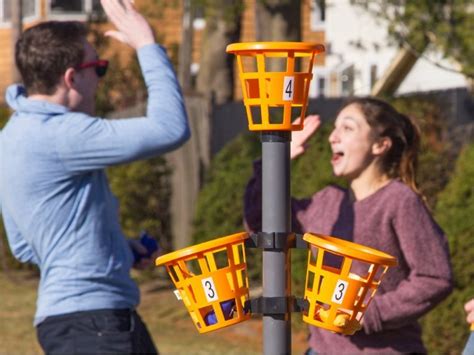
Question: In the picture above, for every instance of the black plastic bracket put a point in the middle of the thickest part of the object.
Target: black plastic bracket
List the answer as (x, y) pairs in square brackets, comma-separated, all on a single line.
[(276, 241), (269, 241), (276, 305)]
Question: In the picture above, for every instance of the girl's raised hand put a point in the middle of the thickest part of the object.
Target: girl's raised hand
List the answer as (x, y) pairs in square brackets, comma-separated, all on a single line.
[(299, 138)]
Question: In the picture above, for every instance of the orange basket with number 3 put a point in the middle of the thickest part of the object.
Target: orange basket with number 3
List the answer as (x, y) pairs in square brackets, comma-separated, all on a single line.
[(341, 279), (211, 280)]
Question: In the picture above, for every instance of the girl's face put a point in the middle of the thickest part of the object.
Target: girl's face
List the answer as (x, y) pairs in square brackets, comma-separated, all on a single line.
[(351, 142)]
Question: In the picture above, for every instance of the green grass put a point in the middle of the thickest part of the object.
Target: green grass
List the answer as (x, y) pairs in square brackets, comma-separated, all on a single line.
[(17, 300), (165, 316)]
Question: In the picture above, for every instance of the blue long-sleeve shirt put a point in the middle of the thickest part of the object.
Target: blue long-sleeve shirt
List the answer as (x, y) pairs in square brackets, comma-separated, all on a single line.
[(57, 207)]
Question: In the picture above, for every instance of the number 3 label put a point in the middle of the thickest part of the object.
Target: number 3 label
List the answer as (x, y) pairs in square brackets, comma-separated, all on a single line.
[(288, 88), (209, 289), (339, 291)]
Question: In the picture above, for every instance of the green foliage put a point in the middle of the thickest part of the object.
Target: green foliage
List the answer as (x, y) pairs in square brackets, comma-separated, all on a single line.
[(219, 208), (434, 161), (446, 24), (455, 208), (445, 329), (144, 192)]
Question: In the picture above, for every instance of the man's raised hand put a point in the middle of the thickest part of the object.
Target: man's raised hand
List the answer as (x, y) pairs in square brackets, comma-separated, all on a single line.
[(132, 28)]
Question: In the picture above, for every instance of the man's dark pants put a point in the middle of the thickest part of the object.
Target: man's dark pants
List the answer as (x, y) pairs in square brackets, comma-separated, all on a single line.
[(94, 332)]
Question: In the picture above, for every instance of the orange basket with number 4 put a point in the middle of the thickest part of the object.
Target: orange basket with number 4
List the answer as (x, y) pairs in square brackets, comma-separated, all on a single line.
[(275, 79), (211, 280), (341, 279)]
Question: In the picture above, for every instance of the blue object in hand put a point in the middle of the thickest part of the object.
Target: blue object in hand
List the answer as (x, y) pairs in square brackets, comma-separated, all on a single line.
[(227, 309), (150, 243)]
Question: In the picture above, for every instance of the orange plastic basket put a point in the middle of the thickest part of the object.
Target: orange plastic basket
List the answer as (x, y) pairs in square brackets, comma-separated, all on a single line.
[(341, 280), (275, 94), (211, 279)]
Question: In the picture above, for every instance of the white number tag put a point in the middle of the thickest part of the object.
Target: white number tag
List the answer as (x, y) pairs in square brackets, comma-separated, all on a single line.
[(288, 88), (340, 291), (177, 294), (209, 289)]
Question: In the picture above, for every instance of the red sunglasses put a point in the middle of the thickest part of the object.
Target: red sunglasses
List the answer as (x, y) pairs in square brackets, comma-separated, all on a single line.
[(99, 65)]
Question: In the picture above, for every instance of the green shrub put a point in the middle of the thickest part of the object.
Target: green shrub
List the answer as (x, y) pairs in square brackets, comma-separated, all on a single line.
[(144, 192), (445, 329), (219, 209), (435, 158)]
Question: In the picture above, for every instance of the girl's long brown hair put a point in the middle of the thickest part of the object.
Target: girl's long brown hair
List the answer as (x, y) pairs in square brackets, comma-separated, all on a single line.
[(401, 160)]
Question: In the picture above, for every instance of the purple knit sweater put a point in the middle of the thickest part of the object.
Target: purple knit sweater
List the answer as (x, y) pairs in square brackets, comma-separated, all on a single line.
[(393, 220)]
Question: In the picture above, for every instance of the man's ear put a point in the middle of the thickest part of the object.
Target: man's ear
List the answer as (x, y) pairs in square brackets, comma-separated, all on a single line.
[(381, 146), (69, 78)]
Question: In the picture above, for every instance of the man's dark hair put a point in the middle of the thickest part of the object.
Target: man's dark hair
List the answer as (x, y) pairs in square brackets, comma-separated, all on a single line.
[(45, 51)]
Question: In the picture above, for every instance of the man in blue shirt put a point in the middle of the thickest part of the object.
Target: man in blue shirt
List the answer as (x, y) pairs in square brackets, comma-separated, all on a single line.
[(58, 210)]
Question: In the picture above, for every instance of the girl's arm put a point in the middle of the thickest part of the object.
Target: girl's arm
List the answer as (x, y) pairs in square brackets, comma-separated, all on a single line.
[(429, 281)]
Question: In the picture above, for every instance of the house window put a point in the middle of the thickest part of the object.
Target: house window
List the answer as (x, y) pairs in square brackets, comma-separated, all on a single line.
[(66, 6), (74, 9), (347, 81), (319, 84), (29, 9), (317, 14)]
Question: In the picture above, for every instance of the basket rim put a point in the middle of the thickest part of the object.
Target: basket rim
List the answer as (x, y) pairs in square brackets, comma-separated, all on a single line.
[(198, 248), (354, 250), (237, 48)]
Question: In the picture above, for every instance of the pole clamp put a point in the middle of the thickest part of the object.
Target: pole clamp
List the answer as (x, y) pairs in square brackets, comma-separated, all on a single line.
[(276, 241), (276, 305)]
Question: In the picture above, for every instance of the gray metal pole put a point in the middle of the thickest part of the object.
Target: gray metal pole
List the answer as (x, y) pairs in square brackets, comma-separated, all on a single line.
[(276, 218)]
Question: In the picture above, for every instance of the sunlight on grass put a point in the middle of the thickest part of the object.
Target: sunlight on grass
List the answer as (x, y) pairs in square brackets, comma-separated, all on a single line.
[(165, 316), (18, 300)]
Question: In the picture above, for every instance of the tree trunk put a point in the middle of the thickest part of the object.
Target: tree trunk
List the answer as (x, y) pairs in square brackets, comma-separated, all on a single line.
[(278, 20), (17, 28), (216, 78), (186, 48)]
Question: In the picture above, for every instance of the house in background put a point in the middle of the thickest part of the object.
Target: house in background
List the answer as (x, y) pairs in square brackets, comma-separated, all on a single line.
[(169, 25), (358, 53)]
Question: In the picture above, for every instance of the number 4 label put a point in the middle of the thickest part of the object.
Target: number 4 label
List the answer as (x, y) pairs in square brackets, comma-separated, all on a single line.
[(288, 88), (209, 289), (340, 291)]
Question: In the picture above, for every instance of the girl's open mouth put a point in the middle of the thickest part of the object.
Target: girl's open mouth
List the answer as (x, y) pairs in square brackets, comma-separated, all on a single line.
[(336, 157)]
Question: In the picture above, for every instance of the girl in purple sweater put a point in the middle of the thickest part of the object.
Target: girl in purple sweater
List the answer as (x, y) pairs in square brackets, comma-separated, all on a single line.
[(375, 149)]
